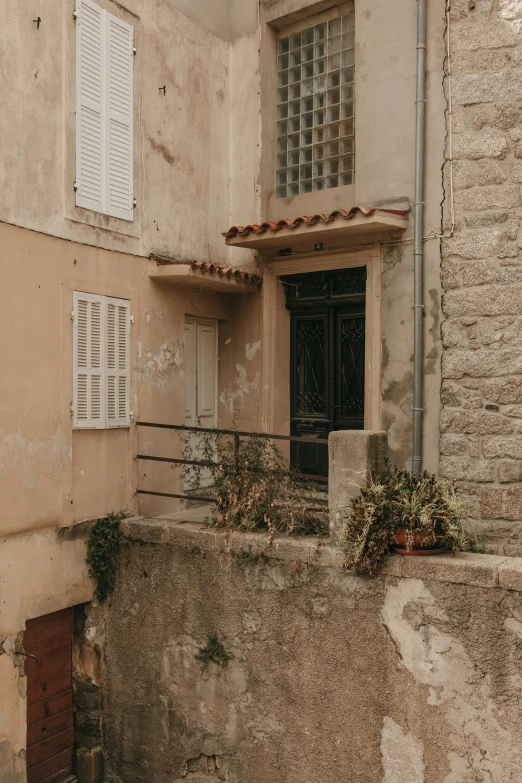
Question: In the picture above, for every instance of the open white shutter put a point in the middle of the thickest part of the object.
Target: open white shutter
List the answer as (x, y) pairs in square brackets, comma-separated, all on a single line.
[(117, 382), (104, 111), (90, 99), (119, 118), (88, 360), (206, 378)]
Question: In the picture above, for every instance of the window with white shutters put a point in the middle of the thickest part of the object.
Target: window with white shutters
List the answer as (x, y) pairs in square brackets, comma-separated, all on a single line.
[(101, 361), (104, 111)]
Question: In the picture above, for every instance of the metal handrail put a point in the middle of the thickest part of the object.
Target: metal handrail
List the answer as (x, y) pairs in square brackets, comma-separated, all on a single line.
[(268, 435), (237, 434)]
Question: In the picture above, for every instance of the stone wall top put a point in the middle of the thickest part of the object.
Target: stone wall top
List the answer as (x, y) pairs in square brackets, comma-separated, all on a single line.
[(187, 531)]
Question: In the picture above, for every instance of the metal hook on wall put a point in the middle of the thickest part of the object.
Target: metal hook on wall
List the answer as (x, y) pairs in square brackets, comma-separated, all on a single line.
[(28, 655)]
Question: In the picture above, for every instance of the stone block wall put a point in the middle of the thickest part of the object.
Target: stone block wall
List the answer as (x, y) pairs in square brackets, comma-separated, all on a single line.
[(481, 420)]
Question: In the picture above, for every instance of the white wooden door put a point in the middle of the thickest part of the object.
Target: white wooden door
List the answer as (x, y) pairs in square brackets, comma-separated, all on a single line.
[(200, 380)]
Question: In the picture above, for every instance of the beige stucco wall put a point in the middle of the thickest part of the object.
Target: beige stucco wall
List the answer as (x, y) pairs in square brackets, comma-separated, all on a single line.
[(52, 476), (413, 676), (202, 162), (385, 73), (182, 138), (204, 151)]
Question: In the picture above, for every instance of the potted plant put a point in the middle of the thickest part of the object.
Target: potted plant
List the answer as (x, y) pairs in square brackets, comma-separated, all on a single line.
[(410, 513)]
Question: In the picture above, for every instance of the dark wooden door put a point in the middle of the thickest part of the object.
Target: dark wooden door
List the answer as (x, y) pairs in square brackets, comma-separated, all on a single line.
[(50, 732), (327, 357)]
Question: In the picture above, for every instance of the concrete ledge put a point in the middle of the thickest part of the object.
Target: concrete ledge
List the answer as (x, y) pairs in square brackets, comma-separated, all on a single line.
[(191, 535), (463, 568), (180, 530), (510, 574)]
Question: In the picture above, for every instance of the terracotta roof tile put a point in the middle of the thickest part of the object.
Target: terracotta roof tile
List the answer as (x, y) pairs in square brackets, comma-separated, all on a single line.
[(312, 220), (203, 266)]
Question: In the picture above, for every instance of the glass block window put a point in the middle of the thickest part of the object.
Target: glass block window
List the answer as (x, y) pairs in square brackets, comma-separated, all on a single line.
[(315, 108)]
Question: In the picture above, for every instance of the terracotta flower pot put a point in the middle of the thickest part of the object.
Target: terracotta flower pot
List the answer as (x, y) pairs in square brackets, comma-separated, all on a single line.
[(421, 545)]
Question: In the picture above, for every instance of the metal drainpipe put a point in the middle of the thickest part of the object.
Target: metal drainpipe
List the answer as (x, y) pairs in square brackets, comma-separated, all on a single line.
[(418, 248)]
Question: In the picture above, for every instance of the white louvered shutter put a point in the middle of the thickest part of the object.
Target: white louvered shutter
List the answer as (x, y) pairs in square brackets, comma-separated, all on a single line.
[(104, 111), (119, 118), (90, 106), (206, 352), (117, 382), (88, 360)]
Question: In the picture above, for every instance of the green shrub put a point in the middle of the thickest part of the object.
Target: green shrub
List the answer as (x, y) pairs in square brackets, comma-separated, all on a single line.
[(103, 549), (213, 651), (417, 502)]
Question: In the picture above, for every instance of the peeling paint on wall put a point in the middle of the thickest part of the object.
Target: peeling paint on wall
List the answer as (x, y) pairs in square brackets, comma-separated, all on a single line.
[(401, 754), (156, 368), (149, 314), (233, 398), (251, 350), (513, 626), (479, 743), (9, 645), (33, 457)]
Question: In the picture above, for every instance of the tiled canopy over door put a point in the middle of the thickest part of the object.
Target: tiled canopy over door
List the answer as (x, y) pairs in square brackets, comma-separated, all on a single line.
[(50, 732)]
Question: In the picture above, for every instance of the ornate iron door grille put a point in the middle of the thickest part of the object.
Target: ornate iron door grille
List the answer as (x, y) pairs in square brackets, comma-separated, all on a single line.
[(311, 366), (327, 356)]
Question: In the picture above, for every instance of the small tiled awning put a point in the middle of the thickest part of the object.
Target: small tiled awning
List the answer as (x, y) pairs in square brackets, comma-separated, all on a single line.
[(228, 279), (336, 229)]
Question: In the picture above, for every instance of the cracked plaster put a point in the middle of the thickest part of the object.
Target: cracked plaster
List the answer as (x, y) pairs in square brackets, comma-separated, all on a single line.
[(480, 747), (401, 754), (233, 398), (157, 368), (251, 350)]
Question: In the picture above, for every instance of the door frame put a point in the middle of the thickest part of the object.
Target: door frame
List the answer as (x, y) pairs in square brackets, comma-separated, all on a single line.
[(275, 320)]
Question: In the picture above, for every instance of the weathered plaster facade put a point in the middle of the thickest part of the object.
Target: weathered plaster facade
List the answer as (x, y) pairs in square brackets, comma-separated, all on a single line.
[(204, 160), (481, 418), (410, 678)]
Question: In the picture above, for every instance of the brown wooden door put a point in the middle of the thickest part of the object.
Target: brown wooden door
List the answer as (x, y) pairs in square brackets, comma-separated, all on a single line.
[(50, 731)]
